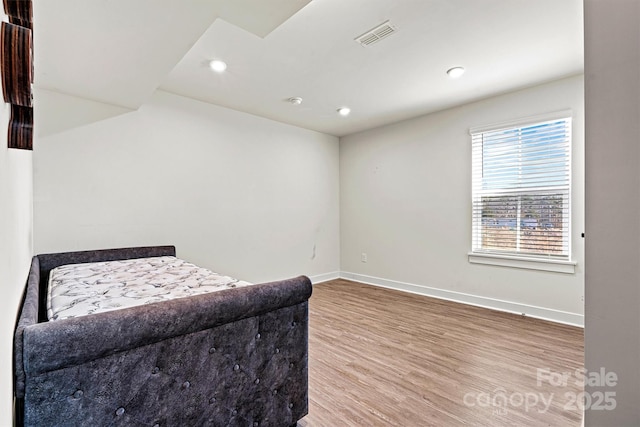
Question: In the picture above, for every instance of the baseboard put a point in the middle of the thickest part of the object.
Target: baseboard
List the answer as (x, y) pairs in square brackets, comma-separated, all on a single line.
[(324, 277), (564, 317)]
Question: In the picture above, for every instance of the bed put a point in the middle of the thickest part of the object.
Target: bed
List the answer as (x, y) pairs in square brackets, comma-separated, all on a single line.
[(235, 357)]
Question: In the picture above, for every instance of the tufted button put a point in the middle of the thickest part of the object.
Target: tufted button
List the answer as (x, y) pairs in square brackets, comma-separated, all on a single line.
[(236, 367), (212, 400), (277, 350), (234, 412), (212, 350), (78, 394), (155, 370), (258, 336), (186, 384), (120, 412), (156, 425), (294, 324), (290, 405), (257, 381), (256, 424), (291, 365), (275, 391)]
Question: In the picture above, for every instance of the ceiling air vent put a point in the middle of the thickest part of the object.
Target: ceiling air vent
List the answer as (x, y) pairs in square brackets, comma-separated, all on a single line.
[(376, 34)]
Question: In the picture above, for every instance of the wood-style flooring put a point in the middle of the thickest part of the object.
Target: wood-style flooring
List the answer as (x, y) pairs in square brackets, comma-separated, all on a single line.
[(379, 357)]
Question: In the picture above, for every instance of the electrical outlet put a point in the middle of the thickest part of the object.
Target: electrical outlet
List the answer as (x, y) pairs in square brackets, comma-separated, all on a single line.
[(363, 257)]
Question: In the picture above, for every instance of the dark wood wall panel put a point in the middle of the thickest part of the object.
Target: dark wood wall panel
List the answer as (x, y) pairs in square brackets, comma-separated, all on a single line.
[(20, 12), (16, 65), (21, 128), (15, 58)]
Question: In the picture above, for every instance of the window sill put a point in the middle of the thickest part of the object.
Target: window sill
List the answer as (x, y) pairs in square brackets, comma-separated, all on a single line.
[(556, 266)]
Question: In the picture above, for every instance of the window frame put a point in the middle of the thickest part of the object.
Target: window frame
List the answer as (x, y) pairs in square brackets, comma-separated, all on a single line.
[(522, 260)]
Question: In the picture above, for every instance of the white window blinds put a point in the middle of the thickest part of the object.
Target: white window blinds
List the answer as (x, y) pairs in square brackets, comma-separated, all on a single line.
[(522, 189)]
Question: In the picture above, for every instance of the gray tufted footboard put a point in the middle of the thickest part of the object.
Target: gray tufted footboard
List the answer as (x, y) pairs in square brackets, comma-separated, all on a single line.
[(231, 358)]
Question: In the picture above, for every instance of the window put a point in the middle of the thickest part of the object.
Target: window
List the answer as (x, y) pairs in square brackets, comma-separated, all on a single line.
[(522, 190)]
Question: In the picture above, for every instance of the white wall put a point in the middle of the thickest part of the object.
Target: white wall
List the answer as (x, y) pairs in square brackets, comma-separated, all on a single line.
[(16, 196), (612, 83), (406, 202), (58, 112), (239, 194)]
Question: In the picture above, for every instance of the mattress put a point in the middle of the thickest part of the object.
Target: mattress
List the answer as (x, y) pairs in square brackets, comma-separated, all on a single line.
[(80, 289)]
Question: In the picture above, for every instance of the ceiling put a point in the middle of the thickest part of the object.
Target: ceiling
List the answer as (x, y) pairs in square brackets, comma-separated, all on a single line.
[(118, 52)]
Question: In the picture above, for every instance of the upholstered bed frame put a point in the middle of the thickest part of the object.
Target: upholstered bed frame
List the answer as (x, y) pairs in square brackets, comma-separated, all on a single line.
[(237, 357)]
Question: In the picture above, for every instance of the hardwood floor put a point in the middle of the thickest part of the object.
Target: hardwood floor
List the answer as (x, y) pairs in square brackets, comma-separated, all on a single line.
[(379, 357)]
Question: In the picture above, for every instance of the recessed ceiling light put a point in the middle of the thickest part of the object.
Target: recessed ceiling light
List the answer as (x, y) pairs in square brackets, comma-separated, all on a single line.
[(296, 100), (455, 72), (218, 66), (344, 111)]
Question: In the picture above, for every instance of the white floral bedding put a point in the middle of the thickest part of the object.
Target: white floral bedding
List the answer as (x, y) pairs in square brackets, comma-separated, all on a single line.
[(79, 289)]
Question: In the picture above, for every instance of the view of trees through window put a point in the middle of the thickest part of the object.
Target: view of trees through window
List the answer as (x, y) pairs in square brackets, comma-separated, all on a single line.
[(524, 223)]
